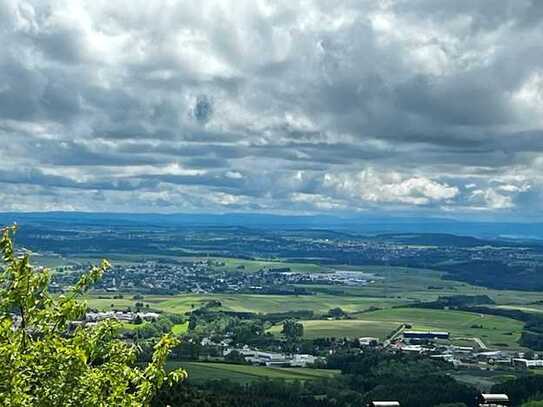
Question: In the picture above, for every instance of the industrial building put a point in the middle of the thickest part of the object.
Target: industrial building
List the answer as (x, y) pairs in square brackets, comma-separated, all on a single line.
[(493, 400), (425, 335), (526, 363)]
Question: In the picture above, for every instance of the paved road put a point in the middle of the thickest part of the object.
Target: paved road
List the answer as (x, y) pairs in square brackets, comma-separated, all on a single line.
[(393, 337), (480, 343)]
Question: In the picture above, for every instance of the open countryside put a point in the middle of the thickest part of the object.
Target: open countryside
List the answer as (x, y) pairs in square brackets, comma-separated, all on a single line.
[(303, 319), (396, 286), (262, 203)]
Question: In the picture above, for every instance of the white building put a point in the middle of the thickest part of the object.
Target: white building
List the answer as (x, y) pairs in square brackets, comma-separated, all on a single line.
[(368, 341), (526, 363), (303, 360), (257, 357), (268, 359), (120, 316)]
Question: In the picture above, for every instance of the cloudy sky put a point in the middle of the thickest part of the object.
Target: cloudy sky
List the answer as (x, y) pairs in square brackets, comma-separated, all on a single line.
[(427, 107)]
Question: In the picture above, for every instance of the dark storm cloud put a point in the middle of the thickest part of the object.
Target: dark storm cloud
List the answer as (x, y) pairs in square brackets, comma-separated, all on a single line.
[(203, 109), (21, 88), (261, 105), (461, 102)]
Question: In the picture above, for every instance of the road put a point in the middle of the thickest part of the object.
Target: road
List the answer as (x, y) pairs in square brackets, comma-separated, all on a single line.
[(394, 336)]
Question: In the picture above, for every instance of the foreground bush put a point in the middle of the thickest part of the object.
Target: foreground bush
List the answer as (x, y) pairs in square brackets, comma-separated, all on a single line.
[(45, 363)]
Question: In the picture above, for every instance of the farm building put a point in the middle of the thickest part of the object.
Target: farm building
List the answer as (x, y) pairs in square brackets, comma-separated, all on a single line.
[(525, 363), (267, 358), (257, 357), (425, 335), (493, 400)]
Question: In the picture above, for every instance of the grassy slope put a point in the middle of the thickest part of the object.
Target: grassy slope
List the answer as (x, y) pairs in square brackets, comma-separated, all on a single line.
[(200, 371), (273, 303), (247, 302), (412, 284), (531, 309), (344, 328), (105, 303), (180, 329), (252, 266)]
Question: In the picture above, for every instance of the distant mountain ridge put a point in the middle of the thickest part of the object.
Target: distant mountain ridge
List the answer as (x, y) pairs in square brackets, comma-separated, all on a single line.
[(358, 224)]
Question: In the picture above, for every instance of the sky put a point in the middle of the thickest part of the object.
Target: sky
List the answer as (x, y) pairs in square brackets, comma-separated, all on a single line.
[(423, 107)]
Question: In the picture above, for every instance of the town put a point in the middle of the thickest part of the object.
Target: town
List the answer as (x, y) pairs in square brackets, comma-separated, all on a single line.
[(206, 276)]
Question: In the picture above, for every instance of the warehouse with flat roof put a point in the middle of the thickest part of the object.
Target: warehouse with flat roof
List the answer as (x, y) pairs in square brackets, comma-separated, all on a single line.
[(425, 335), (493, 400)]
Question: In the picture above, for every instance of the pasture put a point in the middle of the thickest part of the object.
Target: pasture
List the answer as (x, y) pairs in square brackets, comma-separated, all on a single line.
[(180, 329), (320, 303), (421, 285), (252, 266), (182, 303), (344, 328)]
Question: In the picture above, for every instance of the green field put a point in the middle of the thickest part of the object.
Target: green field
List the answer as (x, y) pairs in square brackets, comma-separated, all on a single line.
[(104, 304), (204, 371), (273, 303), (531, 308), (180, 329), (344, 328), (495, 329), (421, 285), (127, 326), (182, 303), (251, 266)]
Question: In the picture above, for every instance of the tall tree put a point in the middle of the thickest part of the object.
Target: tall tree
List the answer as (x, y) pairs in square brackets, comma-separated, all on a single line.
[(293, 330)]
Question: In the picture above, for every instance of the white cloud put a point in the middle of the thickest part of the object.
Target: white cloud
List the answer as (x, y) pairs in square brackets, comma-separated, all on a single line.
[(514, 188), (489, 199), (373, 186), (317, 201), (528, 98)]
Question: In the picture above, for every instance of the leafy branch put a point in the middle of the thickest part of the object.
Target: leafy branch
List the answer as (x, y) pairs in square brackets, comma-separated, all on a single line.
[(45, 361)]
